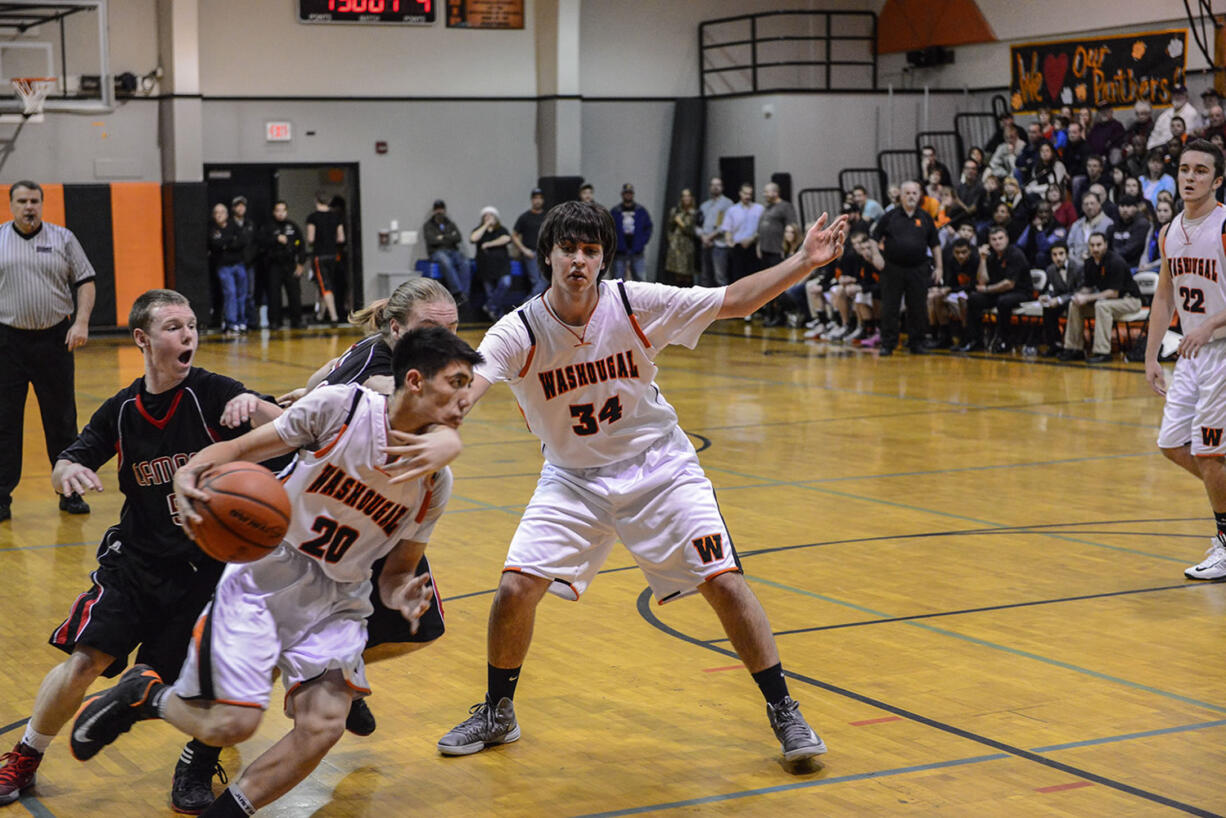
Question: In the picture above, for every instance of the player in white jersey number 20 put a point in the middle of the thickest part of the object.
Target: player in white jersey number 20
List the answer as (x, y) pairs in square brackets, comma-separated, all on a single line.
[(580, 360), (302, 609), (1193, 280)]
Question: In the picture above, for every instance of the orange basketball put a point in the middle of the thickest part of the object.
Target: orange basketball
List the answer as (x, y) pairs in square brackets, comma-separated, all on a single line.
[(246, 515)]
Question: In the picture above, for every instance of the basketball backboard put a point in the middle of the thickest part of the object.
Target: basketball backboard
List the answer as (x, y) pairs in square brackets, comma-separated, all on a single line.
[(65, 39)]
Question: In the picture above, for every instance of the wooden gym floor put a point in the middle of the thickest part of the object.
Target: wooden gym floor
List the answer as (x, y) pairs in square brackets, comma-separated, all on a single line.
[(973, 567)]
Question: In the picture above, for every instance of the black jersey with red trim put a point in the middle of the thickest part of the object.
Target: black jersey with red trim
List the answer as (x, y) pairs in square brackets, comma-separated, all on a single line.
[(154, 435), (370, 356)]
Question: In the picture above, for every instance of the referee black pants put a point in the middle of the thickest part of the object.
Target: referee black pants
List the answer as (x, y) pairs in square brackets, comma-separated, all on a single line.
[(41, 358), (281, 277), (912, 282)]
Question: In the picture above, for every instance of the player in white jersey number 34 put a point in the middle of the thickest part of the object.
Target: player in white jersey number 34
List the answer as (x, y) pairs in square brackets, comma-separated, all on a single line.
[(580, 361), (1193, 280)]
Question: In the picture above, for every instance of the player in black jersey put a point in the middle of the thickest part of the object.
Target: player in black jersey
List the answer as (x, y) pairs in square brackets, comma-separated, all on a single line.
[(152, 581), (419, 302)]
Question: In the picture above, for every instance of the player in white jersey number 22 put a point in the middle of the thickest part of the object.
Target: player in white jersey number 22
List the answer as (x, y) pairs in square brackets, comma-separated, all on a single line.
[(580, 360), (1193, 280), (302, 609)]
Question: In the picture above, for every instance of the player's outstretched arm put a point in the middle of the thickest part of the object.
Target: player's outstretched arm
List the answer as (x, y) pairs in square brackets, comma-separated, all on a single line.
[(822, 245), (70, 477), (399, 589), (255, 446)]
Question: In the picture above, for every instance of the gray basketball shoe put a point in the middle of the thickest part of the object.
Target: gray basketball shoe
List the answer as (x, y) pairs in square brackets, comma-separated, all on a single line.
[(796, 738), (488, 725)]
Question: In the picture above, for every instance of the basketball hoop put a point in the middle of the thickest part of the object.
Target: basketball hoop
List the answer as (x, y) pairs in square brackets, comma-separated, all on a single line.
[(33, 92)]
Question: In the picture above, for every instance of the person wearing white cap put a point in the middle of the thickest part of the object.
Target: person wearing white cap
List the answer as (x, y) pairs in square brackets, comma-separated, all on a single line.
[(1180, 107), (493, 261)]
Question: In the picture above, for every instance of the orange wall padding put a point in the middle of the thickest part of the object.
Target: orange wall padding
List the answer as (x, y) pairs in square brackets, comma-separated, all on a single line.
[(907, 25), (136, 228)]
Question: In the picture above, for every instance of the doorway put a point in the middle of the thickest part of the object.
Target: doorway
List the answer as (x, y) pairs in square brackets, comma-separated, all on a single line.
[(265, 184)]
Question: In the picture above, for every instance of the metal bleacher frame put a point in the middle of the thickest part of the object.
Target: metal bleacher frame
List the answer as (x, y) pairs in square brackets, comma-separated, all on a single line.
[(948, 145), (873, 180), (975, 129), (814, 201), (898, 166)]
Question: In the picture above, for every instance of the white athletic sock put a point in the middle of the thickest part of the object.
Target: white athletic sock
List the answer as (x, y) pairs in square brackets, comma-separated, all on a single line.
[(36, 741), (159, 700)]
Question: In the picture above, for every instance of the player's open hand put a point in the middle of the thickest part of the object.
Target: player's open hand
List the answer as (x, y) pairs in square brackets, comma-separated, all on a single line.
[(413, 599), (287, 400), (413, 456), (824, 244), (188, 492), (239, 410), (1155, 376), (73, 478)]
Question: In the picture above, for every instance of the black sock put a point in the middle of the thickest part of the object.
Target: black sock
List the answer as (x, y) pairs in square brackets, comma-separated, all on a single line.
[(501, 683), (1220, 519), (198, 750), (228, 806), (772, 683)]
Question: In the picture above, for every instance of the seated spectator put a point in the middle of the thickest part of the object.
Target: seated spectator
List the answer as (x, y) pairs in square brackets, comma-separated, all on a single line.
[(1109, 208), (991, 198), (978, 155), (1002, 216), (1004, 158), (1151, 259), (1059, 134), (929, 162), (1179, 130), (1180, 109), (818, 293), (1002, 281), (1064, 277), (1006, 129), (1134, 156), (1019, 206), (1142, 123), (1216, 123), (870, 209), (894, 194), (1093, 221), (969, 193), (1037, 239), (851, 272), (1106, 137), (1109, 292), (443, 241), (1085, 118), (947, 301), (1030, 151), (1047, 169), (1044, 118), (1076, 151), (932, 185), (1174, 148), (1062, 209), (1130, 233), (1208, 98), (1095, 174), (494, 263)]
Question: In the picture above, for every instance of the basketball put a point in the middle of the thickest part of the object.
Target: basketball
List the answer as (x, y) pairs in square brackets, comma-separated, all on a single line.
[(246, 515)]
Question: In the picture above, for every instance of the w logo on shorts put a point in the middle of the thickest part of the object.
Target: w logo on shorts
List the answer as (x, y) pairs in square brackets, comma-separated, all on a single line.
[(1210, 437), (711, 547)]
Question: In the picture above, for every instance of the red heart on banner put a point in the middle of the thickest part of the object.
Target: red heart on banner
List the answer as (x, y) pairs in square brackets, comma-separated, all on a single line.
[(1054, 70)]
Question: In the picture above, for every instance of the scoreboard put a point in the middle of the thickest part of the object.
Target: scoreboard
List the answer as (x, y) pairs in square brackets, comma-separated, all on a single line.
[(406, 12)]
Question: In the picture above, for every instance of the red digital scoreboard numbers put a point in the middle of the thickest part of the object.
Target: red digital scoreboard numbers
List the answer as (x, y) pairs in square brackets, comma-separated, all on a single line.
[(406, 12)]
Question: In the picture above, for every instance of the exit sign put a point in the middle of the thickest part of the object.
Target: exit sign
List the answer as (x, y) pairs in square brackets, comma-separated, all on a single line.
[(277, 132)]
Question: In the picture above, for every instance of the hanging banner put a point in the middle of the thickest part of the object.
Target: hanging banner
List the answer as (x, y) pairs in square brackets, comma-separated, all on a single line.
[(1115, 71)]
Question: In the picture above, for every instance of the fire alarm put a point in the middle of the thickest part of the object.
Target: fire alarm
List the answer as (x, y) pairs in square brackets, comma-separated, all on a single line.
[(380, 147)]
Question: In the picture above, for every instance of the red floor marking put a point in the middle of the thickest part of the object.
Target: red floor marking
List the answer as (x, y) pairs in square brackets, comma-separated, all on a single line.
[(716, 669), (1059, 787), (875, 721)]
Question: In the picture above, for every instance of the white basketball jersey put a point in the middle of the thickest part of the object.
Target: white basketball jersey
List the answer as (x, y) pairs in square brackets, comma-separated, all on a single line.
[(589, 392), (1197, 261), (346, 514)]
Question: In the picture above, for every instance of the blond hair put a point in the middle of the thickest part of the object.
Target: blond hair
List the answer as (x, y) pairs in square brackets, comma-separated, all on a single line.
[(377, 315)]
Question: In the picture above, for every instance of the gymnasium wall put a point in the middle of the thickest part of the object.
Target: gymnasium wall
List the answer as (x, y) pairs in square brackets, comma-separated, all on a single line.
[(986, 65)]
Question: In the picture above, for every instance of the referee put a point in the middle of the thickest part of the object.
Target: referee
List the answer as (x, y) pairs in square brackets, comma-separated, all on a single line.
[(40, 266), (908, 237)]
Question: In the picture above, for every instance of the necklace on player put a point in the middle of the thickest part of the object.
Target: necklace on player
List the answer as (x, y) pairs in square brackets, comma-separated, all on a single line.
[(1184, 222)]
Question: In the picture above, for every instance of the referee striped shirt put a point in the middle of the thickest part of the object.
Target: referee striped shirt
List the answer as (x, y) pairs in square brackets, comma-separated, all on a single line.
[(38, 275)]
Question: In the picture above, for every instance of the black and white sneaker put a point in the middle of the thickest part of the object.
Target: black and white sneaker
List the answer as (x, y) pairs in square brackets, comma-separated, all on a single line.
[(488, 725), (191, 792), (105, 715), (796, 738)]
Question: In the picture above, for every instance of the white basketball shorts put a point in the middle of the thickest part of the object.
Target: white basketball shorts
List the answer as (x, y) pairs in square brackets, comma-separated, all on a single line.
[(281, 611), (659, 504), (1195, 408)]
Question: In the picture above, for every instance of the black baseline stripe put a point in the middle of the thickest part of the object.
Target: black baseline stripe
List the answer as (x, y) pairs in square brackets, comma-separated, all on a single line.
[(1006, 606), (644, 608), (14, 725)]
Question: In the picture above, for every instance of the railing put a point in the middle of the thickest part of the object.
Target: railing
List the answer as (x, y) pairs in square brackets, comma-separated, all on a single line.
[(898, 166), (814, 201), (975, 130), (788, 51), (872, 179)]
